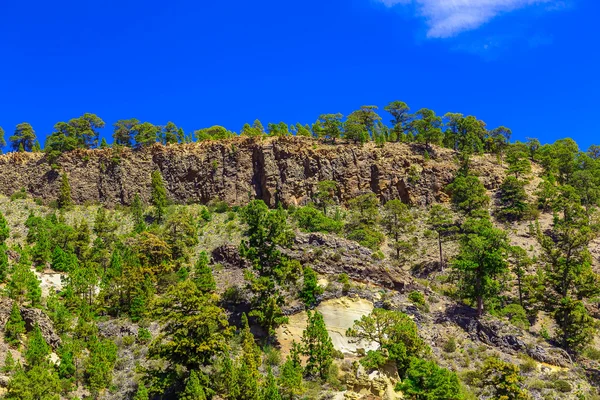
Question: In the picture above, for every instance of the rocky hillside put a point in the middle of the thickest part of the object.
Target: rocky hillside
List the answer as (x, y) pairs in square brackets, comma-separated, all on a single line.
[(284, 170)]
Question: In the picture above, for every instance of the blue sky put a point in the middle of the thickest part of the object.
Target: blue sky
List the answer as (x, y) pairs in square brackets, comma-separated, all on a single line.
[(531, 65)]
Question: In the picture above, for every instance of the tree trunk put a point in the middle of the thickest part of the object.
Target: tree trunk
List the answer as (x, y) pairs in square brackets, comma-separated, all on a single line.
[(479, 306)]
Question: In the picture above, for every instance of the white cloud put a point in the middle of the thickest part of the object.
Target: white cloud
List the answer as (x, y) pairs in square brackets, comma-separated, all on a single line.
[(447, 18)]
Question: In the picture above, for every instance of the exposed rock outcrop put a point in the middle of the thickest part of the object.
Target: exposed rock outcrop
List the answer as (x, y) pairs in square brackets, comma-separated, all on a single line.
[(284, 170), (32, 317)]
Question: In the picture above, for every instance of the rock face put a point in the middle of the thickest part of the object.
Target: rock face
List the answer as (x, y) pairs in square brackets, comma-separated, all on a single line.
[(284, 170), (330, 255), (32, 317)]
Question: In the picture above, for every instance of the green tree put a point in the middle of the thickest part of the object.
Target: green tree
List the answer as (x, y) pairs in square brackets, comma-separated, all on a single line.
[(77, 133), (310, 288), (100, 364), (425, 380), (427, 127), (39, 382), (328, 126), (290, 377), (513, 200), (203, 277), (393, 331), (365, 117), (517, 158), (9, 363), (170, 133), (317, 346), (23, 138), (468, 194), (270, 391), (137, 211), (364, 210), (569, 278), (533, 145), (195, 328), (181, 234), (520, 262), (481, 261), (104, 144), (499, 140), (15, 326), (2, 140), (504, 380), (398, 221), (247, 377), (267, 231), (159, 195), (325, 194), (125, 131), (400, 112), (141, 393), (3, 262), (4, 230), (193, 388), (441, 222), (146, 134), (37, 351), (64, 195)]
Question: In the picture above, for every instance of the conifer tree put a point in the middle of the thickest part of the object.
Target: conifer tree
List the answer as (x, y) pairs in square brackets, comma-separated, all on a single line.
[(251, 352), (481, 261), (2, 140), (3, 262), (203, 277), (290, 377), (441, 222), (104, 144), (64, 196), (9, 363), (37, 349), (142, 393), (137, 211), (60, 260), (247, 377), (310, 288), (15, 326), (317, 346), (398, 221), (270, 390), (41, 253), (159, 195), (227, 381), (193, 388), (4, 230)]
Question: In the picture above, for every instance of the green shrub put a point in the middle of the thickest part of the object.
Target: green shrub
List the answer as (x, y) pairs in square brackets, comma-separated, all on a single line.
[(272, 356), (528, 365), (19, 195), (367, 237), (516, 315), (417, 298), (128, 340), (450, 345), (562, 386), (592, 353), (144, 336), (312, 220)]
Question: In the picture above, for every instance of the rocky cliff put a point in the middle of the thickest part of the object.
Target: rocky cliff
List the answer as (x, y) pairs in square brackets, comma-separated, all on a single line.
[(284, 170)]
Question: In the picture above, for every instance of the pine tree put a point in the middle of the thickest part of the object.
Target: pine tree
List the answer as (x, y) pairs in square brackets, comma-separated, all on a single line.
[(15, 326), (104, 144), (310, 288), (482, 260), (203, 277), (426, 380), (9, 363), (3, 262), (247, 377), (317, 346), (226, 379), (159, 195), (142, 393), (60, 260), (251, 352), (37, 349), (137, 211), (4, 230), (270, 390), (193, 388), (64, 195), (41, 253), (441, 222), (290, 377)]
